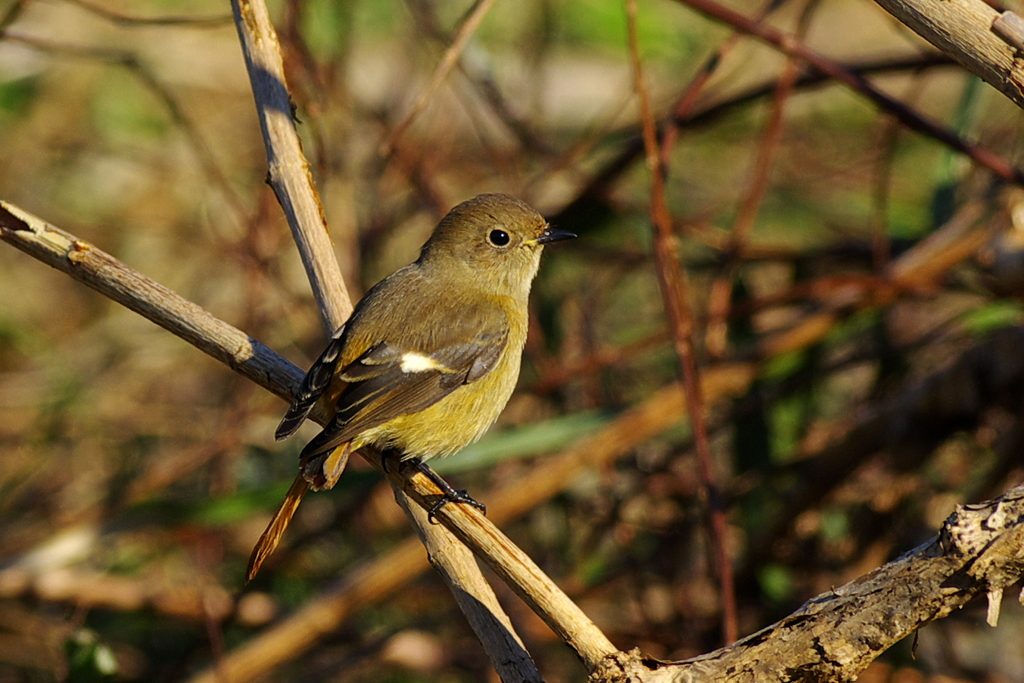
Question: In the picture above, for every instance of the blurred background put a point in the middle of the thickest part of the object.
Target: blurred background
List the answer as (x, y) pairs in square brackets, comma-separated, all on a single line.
[(855, 292)]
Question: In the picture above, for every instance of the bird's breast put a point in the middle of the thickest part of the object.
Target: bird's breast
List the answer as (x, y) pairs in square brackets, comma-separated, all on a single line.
[(461, 417)]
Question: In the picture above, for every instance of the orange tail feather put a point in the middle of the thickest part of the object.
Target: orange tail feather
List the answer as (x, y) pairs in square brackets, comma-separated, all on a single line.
[(275, 530)]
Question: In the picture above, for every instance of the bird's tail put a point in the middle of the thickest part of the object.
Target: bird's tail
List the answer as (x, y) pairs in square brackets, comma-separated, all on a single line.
[(319, 473), (323, 470), (272, 536)]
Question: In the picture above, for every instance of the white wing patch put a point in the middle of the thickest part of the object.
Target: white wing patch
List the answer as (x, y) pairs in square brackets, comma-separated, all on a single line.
[(413, 361)]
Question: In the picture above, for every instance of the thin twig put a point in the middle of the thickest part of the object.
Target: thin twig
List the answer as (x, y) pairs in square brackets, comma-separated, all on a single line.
[(674, 293), (720, 298), (910, 117), (450, 58)]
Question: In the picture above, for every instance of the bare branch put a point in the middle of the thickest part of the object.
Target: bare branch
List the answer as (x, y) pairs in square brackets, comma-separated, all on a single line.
[(834, 636), (459, 569), (288, 169), (972, 33), (149, 298)]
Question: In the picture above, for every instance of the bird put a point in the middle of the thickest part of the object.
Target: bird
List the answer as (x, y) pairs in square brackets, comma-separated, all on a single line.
[(428, 358)]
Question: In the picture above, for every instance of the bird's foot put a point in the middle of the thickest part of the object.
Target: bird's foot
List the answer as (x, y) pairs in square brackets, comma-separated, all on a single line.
[(448, 494)]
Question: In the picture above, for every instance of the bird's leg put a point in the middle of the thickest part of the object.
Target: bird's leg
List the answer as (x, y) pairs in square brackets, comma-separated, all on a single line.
[(448, 495)]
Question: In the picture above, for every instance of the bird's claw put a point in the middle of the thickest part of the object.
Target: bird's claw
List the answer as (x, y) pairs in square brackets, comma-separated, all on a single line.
[(454, 496)]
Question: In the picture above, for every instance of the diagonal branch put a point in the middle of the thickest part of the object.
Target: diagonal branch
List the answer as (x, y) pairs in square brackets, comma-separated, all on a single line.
[(969, 32), (112, 278), (288, 171), (833, 637)]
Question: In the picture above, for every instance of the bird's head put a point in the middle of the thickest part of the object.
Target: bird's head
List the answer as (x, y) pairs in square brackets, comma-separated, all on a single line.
[(496, 238)]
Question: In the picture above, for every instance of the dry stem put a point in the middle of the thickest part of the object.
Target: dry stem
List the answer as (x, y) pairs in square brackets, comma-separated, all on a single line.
[(967, 31), (674, 292)]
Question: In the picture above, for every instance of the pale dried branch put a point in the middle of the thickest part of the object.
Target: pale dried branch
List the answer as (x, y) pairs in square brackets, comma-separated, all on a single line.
[(968, 31), (288, 171), (101, 271), (459, 569), (517, 570), (833, 637)]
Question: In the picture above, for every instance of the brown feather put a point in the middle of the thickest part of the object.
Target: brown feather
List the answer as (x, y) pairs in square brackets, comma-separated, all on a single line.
[(272, 536)]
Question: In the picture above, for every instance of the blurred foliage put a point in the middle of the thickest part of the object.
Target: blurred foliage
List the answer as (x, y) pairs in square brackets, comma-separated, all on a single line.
[(135, 474)]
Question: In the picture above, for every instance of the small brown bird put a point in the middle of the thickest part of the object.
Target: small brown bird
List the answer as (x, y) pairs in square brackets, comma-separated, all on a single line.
[(430, 355)]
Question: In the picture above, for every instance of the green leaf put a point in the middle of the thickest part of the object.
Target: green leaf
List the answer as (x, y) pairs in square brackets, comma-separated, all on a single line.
[(993, 316), (523, 442)]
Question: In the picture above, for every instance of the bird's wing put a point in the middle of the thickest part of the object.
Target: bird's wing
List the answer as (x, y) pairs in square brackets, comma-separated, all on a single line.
[(313, 386), (397, 378)]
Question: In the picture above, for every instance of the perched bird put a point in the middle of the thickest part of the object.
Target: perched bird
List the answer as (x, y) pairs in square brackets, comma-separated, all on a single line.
[(430, 355)]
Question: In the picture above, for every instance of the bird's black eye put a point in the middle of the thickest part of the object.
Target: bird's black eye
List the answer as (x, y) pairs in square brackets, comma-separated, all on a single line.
[(499, 238)]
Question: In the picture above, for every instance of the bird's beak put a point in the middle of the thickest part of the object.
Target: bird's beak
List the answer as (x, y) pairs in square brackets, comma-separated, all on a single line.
[(554, 235)]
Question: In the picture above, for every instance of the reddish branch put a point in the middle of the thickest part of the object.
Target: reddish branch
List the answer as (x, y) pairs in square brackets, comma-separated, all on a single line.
[(674, 292)]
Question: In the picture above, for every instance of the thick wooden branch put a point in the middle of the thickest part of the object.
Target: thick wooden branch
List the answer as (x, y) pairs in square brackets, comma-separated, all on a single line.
[(986, 43), (833, 637)]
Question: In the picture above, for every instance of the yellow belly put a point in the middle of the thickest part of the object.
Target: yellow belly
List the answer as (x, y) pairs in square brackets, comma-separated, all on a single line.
[(458, 419)]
